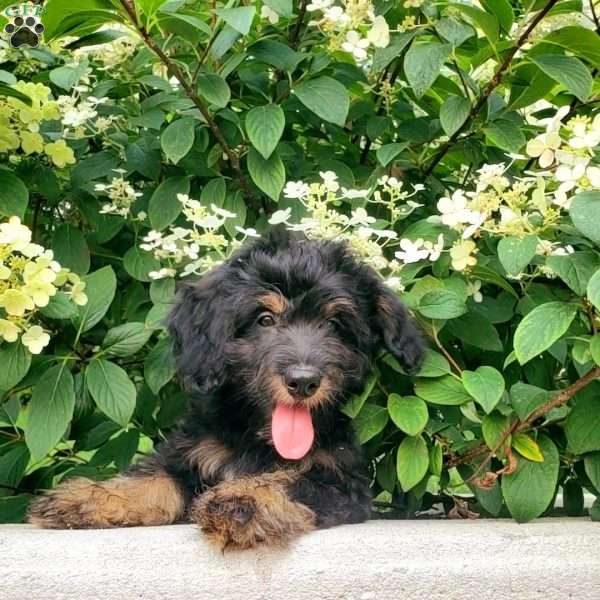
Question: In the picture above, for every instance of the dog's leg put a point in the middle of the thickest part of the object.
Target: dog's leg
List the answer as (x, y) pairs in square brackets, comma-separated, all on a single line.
[(245, 512), (139, 498)]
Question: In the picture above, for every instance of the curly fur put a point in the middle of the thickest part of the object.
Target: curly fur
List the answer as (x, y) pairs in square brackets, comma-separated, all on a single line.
[(219, 468)]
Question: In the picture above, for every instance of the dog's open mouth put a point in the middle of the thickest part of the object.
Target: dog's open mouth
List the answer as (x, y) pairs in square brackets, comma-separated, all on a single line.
[(292, 430)]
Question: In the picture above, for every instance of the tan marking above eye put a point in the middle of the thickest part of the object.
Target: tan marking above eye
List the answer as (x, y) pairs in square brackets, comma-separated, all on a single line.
[(276, 303), (338, 305)]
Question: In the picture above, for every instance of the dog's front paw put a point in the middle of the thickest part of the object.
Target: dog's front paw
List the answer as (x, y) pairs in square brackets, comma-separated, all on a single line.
[(68, 507), (228, 521), (249, 512)]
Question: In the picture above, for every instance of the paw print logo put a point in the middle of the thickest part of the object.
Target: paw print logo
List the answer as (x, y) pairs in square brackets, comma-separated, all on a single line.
[(24, 31)]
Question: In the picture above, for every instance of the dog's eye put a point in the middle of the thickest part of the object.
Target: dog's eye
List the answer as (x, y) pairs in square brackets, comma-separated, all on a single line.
[(266, 320)]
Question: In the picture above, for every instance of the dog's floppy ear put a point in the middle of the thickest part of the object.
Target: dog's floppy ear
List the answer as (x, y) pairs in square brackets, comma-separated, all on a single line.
[(398, 330), (201, 325)]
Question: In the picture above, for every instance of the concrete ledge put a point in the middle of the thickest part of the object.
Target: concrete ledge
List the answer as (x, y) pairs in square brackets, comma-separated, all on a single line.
[(379, 560)]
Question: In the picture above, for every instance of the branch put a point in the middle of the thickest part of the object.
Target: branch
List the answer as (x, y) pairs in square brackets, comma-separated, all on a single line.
[(191, 94), (518, 426), (295, 35), (490, 87)]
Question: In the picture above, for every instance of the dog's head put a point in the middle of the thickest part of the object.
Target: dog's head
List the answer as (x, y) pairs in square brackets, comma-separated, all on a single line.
[(291, 326)]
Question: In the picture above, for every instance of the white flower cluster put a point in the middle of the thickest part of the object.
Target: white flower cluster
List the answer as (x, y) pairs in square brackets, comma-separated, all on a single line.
[(373, 245), (76, 112), (121, 194), (29, 277), (530, 204), (111, 55), (568, 150), (351, 25), (198, 248)]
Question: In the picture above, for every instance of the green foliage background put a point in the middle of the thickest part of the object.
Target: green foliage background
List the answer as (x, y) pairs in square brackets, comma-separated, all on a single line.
[(505, 410)]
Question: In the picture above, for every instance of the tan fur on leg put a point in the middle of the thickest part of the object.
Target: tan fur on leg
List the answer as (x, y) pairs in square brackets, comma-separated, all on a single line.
[(249, 511), (123, 501)]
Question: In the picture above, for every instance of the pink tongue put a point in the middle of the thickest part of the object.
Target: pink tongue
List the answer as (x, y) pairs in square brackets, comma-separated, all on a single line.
[(292, 430)]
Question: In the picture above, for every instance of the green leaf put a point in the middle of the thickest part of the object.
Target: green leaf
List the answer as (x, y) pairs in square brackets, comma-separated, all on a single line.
[(68, 77), (96, 39), (441, 304), (281, 7), (138, 263), (159, 366), (585, 214), (515, 253), (370, 421), (71, 249), (13, 463), (593, 289), (526, 398), (265, 125), (446, 390), (14, 196), (569, 71), (434, 365), (594, 349), (583, 425), (387, 153), (214, 89), (50, 410), (494, 428), (527, 447), (595, 511), (126, 339), (480, 19), (164, 207), (592, 468), (422, 65), (60, 307), (15, 361), (384, 56), (101, 286), (503, 10), (454, 113), (486, 385), (7, 90), (581, 41), (454, 31), (326, 97), (356, 402), (412, 462), (178, 138), (575, 269), (236, 204), (505, 134), (162, 291), (540, 328), (214, 192), (268, 175), (112, 390), (476, 330), (409, 413), (529, 490), (276, 54), (238, 18), (13, 509)]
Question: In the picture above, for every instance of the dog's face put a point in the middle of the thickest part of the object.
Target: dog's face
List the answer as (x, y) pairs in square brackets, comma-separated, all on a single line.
[(290, 327)]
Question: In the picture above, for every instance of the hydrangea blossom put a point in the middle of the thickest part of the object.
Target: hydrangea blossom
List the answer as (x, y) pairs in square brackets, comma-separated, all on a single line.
[(29, 279)]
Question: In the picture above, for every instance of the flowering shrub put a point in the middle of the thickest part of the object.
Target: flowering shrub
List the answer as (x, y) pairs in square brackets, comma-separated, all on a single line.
[(453, 146)]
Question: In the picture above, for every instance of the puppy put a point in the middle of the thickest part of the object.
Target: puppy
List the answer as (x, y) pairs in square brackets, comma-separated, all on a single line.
[(269, 345)]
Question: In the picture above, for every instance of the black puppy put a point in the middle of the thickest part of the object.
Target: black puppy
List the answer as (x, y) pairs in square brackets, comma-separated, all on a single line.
[(269, 345)]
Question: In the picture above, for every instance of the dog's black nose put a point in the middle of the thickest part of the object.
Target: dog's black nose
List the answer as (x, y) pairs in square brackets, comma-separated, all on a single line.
[(302, 381)]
